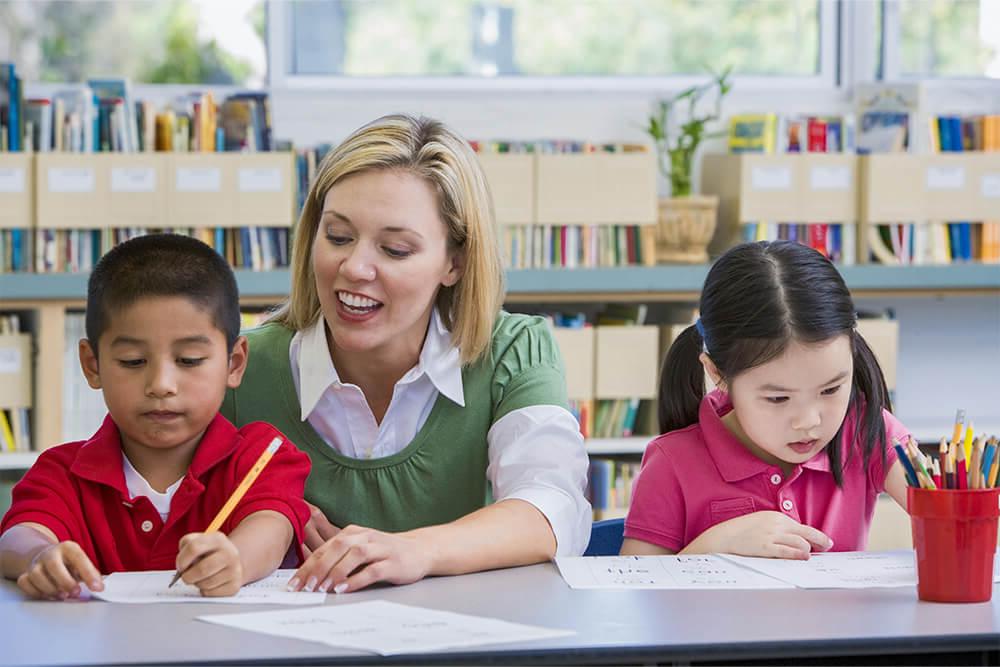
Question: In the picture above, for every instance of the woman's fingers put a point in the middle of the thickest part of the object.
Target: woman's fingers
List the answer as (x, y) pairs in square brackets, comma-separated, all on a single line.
[(359, 556)]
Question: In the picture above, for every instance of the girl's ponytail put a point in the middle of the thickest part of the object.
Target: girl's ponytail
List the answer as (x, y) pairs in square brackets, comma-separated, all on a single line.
[(871, 396), (682, 382)]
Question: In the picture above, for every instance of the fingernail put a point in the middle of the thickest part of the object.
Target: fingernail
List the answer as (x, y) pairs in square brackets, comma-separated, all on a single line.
[(293, 584), (94, 585), (325, 585), (340, 588), (310, 585)]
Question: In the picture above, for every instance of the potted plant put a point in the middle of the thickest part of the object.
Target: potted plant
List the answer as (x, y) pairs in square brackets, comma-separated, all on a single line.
[(686, 221)]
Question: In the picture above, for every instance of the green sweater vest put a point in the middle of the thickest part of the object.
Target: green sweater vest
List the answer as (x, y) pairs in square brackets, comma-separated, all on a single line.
[(441, 474)]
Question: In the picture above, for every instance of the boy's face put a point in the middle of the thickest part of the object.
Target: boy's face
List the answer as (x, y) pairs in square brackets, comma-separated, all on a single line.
[(164, 370)]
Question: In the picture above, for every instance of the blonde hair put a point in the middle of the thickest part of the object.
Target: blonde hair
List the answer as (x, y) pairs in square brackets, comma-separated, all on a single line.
[(429, 150)]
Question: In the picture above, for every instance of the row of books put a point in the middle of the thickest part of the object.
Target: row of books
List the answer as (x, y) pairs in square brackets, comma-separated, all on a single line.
[(609, 487), (577, 246), (15, 359), (102, 116), (607, 418), (837, 241)]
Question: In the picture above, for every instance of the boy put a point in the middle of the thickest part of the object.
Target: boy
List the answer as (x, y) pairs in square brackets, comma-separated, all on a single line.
[(163, 345)]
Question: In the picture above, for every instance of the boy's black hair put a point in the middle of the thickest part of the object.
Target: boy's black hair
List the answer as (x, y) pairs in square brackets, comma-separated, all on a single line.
[(163, 265), (757, 298)]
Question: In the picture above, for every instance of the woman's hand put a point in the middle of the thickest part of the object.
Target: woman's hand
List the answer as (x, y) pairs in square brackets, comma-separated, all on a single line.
[(357, 557), (766, 534), (318, 530), (57, 571), (211, 562)]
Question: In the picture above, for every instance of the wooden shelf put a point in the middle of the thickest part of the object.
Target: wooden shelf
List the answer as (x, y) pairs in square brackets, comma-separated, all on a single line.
[(614, 446), (658, 283), (17, 460)]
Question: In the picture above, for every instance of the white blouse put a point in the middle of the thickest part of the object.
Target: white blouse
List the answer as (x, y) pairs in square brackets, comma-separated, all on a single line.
[(536, 454)]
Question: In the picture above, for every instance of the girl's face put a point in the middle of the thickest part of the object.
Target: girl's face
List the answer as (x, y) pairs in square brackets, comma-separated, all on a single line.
[(789, 409), (380, 257)]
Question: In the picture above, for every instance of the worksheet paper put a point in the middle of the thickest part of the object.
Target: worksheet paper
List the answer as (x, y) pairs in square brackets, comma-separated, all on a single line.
[(152, 587), (385, 628), (847, 569), (707, 571)]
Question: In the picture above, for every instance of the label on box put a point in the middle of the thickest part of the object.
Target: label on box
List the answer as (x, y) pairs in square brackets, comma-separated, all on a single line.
[(133, 179), (10, 360), (771, 178), (11, 179), (830, 178), (71, 179), (260, 179), (945, 178), (991, 185), (199, 179)]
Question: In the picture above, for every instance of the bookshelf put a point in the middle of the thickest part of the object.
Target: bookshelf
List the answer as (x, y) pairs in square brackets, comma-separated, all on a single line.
[(50, 296), (658, 283)]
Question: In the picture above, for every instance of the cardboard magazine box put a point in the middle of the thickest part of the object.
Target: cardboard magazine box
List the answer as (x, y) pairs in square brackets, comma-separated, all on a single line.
[(201, 190), (511, 177), (264, 193), (596, 188), (137, 189), (17, 196), (71, 190), (577, 347)]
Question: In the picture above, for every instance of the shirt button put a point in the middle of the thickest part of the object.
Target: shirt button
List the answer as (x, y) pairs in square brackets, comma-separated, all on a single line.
[(775, 479), (786, 505), (147, 525)]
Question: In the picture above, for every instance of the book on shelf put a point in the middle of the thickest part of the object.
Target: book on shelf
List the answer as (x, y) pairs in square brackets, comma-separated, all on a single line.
[(609, 486), (15, 385)]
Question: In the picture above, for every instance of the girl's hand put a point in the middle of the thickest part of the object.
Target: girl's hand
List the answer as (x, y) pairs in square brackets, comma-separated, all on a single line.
[(767, 534), (211, 562), (318, 530), (57, 571), (357, 557)]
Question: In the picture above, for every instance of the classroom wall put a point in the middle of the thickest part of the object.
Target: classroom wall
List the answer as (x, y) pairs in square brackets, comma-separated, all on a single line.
[(949, 358)]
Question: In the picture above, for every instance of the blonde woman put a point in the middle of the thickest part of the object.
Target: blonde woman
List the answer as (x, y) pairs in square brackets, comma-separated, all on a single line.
[(394, 368)]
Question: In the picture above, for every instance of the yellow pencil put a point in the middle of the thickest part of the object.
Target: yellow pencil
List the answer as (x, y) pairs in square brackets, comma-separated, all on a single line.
[(956, 435), (238, 494), (968, 441)]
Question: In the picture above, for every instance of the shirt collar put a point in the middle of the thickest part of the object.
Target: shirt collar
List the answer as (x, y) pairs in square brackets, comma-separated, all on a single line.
[(439, 359), (734, 461), (100, 458)]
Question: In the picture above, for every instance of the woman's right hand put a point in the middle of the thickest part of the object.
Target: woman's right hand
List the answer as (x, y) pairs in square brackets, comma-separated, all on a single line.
[(764, 534), (318, 530), (57, 571)]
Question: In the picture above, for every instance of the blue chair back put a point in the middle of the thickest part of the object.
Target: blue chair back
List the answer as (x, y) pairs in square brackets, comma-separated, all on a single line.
[(605, 538)]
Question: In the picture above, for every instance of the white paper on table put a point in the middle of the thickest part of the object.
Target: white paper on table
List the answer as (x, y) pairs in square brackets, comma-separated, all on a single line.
[(152, 587), (703, 571), (386, 628), (847, 569)]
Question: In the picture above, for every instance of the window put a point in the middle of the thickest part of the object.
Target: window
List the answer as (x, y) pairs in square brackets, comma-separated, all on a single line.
[(148, 41), (481, 38), (949, 38)]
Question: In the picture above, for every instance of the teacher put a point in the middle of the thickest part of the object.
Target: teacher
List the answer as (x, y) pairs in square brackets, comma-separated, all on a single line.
[(393, 367)]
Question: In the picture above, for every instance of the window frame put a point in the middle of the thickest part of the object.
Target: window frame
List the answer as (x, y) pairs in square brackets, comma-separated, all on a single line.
[(280, 57)]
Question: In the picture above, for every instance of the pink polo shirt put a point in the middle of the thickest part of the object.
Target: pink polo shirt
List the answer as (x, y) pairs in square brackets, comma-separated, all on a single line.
[(696, 477)]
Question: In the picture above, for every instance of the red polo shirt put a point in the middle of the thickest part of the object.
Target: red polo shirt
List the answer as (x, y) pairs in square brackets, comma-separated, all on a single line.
[(78, 491)]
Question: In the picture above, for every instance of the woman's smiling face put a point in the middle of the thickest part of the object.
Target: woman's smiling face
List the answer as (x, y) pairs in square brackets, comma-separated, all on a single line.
[(380, 256)]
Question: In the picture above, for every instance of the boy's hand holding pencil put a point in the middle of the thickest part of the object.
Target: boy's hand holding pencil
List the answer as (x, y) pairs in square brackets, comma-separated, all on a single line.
[(211, 562)]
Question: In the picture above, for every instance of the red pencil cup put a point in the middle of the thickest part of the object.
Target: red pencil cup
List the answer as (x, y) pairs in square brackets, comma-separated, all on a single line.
[(955, 536)]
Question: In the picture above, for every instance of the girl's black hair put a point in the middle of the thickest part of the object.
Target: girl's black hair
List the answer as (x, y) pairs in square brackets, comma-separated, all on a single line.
[(757, 298)]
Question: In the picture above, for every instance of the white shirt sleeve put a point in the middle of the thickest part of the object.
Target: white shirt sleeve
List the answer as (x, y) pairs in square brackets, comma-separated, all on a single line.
[(536, 454)]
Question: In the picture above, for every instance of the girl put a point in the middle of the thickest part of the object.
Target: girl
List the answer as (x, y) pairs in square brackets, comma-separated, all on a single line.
[(789, 453)]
